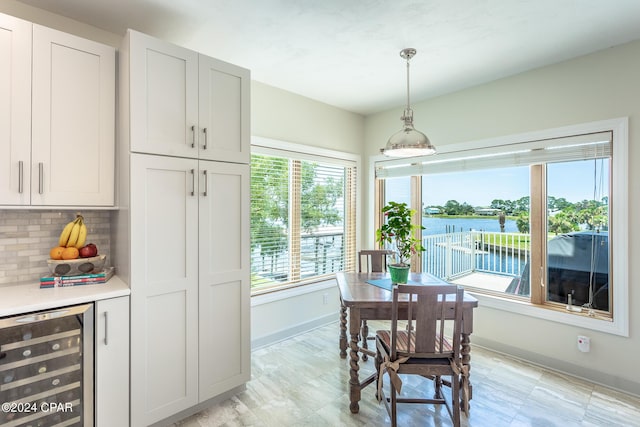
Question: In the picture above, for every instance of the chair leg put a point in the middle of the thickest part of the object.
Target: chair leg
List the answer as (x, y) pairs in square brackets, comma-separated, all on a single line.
[(437, 385), (364, 333), (378, 362), (455, 400), (394, 409)]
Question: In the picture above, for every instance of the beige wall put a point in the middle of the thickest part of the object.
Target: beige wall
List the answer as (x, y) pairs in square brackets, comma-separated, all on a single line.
[(281, 115), (591, 88)]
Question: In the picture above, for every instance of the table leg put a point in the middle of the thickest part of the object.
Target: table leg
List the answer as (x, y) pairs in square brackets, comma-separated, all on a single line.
[(466, 389), (343, 331), (354, 381), (364, 334)]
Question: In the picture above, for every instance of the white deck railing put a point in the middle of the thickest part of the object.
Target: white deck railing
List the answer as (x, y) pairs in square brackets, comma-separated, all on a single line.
[(456, 254)]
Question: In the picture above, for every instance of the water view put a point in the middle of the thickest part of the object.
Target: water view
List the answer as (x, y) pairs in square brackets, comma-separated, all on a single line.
[(438, 225), (457, 246)]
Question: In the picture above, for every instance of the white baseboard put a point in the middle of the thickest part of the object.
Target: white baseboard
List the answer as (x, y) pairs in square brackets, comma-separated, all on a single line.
[(607, 380)]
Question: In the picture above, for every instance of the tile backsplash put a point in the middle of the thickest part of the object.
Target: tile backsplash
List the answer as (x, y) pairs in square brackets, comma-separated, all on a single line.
[(27, 236)]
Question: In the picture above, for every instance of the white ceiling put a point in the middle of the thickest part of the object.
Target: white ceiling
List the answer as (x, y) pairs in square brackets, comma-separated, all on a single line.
[(346, 52)]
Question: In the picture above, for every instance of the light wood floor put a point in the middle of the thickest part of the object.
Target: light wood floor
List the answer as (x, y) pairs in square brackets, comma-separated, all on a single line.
[(303, 382)]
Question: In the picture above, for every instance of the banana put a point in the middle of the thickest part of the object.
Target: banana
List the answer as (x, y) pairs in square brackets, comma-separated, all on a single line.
[(73, 237), (82, 235), (74, 233), (66, 232)]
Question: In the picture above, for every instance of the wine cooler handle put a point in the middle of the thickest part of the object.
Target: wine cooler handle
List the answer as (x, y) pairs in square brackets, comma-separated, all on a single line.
[(106, 323)]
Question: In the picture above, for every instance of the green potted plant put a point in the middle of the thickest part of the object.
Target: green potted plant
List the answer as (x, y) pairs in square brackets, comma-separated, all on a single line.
[(399, 231)]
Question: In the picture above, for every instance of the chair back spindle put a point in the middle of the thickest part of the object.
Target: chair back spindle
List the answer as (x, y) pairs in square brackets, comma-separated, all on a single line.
[(432, 312)]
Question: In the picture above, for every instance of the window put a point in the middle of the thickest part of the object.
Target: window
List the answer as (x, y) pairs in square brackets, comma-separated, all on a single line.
[(576, 256), (531, 218), (302, 214)]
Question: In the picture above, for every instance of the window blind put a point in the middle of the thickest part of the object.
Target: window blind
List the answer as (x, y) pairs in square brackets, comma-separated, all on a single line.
[(269, 220), (577, 147), (303, 217)]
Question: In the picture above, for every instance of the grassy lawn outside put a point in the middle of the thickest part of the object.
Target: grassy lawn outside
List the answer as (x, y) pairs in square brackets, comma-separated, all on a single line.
[(507, 240)]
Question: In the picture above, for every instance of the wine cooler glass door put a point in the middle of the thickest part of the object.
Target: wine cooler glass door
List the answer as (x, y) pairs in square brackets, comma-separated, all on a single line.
[(46, 368)]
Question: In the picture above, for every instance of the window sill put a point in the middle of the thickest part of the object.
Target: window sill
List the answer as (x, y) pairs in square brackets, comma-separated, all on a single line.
[(618, 326)]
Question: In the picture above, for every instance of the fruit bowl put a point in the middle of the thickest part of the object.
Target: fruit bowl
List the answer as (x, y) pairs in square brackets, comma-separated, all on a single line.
[(76, 267)]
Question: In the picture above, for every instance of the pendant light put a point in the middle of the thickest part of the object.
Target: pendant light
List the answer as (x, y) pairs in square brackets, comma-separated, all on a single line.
[(408, 142)]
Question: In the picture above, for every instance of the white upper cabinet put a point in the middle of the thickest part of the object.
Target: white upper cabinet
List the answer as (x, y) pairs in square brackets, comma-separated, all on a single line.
[(15, 110), (186, 104), (73, 119), (224, 109), (57, 117), (163, 97)]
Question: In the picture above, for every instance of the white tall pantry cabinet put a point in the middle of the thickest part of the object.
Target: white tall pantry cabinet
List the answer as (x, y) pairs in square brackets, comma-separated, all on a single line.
[(183, 225)]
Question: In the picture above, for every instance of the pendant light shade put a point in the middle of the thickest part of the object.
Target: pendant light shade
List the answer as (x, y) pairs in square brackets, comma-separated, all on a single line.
[(408, 142)]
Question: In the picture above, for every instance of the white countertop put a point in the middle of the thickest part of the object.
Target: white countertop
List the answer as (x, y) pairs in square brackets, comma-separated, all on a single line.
[(30, 297)]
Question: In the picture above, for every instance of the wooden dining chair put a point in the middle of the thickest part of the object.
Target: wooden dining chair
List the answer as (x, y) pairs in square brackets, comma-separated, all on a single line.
[(420, 346), (371, 261)]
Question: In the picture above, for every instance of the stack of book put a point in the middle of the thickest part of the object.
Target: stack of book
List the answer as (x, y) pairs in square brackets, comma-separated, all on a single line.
[(92, 278)]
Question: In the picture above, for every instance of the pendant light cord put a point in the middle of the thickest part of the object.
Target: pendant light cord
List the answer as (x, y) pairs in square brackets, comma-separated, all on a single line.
[(408, 92)]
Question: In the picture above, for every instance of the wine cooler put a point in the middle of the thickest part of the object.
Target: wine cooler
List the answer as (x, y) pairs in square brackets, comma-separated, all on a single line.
[(46, 368)]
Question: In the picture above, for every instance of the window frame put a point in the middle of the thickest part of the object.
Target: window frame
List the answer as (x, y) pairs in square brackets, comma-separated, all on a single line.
[(618, 324), (273, 147)]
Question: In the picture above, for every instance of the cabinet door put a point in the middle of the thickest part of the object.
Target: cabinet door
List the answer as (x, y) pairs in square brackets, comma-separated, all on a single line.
[(73, 116), (164, 287), (224, 278), (224, 111), (15, 110), (163, 97), (112, 362)]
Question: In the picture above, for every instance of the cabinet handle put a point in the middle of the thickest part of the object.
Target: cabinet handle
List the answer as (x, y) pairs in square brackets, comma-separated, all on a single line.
[(106, 322), (205, 138), (40, 177), (193, 136), (206, 184), (20, 175), (193, 182)]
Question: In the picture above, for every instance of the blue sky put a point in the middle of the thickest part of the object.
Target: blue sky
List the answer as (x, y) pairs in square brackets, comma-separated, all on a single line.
[(572, 180)]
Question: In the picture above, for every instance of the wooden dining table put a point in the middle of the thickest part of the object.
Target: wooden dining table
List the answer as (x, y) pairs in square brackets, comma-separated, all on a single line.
[(365, 301)]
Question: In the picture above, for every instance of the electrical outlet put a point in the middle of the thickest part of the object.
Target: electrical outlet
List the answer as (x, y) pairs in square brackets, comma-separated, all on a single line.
[(325, 298), (584, 343)]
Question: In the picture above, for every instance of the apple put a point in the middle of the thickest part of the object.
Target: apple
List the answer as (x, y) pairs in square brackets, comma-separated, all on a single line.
[(88, 251)]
